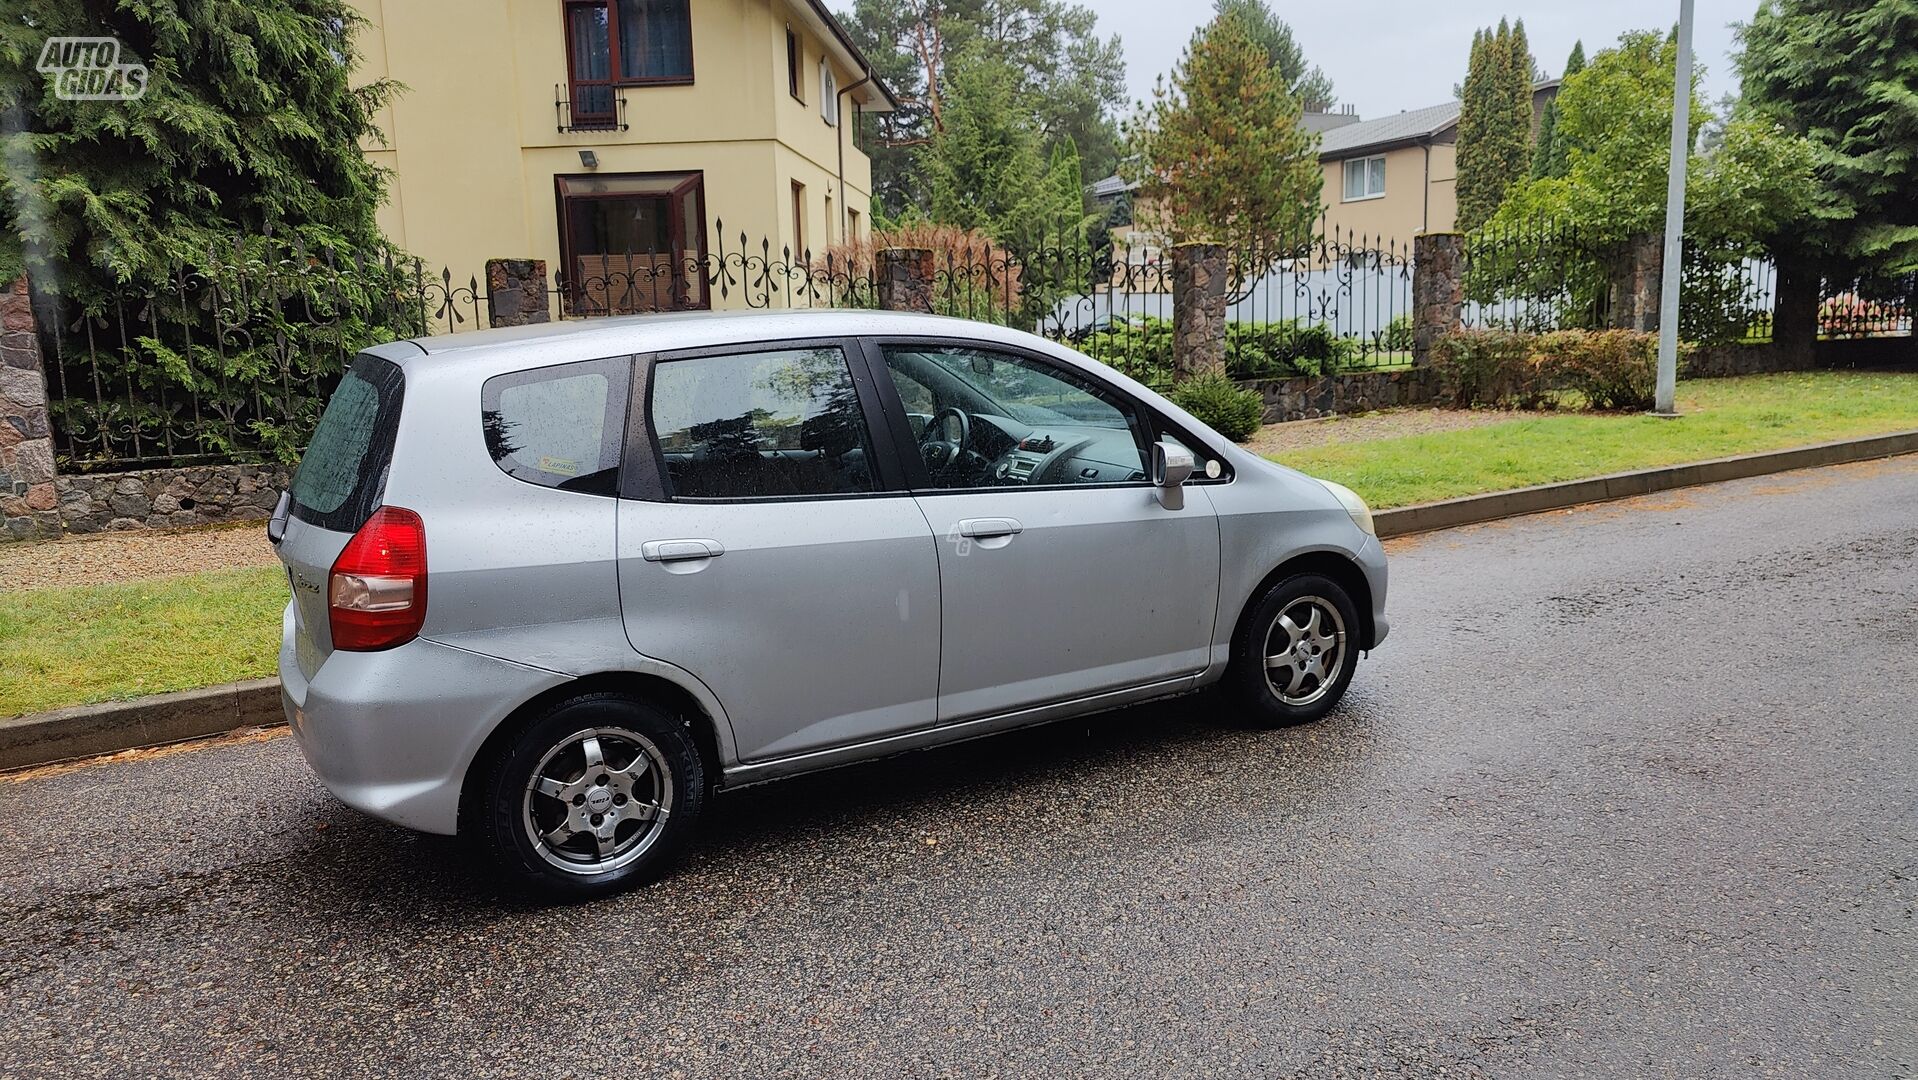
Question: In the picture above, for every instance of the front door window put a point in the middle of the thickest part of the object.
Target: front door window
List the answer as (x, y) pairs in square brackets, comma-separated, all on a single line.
[(633, 243), (988, 419)]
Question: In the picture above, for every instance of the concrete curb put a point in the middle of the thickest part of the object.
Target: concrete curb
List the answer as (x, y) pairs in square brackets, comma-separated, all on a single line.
[(1474, 509), (86, 730)]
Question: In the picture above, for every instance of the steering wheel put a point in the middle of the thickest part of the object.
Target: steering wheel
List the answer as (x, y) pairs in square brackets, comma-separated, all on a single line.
[(941, 453)]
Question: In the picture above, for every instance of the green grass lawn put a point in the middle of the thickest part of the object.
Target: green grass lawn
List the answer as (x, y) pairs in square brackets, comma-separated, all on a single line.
[(76, 646), (1721, 417)]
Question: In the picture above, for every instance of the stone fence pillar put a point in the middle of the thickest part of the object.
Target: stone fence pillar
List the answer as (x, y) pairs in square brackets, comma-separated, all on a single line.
[(904, 277), (516, 292), (1638, 283), (1198, 309), (29, 502), (1438, 290)]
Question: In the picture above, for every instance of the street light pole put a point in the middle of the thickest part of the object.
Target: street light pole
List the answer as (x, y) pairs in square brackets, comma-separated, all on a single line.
[(1674, 269)]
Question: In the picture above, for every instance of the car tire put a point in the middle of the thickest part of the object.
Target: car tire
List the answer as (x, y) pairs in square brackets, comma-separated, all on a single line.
[(1294, 671), (595, 794)]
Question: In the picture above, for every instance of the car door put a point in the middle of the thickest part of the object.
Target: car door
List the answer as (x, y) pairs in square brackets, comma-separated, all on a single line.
[(769, 548), (1062, 576)]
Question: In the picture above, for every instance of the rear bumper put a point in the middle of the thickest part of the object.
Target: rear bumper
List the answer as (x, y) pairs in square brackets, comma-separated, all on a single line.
[(393, 733)]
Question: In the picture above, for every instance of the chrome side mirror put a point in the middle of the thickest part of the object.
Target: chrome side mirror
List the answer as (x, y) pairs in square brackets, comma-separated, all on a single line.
[(1172, 465)]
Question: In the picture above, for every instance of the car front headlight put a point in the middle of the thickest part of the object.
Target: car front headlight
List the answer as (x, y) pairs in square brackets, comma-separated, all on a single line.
[(1355, 506)]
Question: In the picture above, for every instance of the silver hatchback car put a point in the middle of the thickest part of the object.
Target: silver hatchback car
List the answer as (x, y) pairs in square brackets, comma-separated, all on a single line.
[(552, 586)]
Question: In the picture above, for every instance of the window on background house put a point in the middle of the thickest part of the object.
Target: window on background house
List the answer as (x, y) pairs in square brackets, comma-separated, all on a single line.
[(623, 43), (1364, 178), (799, 219), (852, 225), (829, 219), (794, 84), (828, 93)]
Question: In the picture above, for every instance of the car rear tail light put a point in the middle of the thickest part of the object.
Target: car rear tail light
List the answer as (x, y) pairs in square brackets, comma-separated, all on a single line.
[(376, 592)]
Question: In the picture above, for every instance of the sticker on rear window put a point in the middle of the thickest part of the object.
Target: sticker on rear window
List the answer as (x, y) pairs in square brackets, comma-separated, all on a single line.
[(559, 466)]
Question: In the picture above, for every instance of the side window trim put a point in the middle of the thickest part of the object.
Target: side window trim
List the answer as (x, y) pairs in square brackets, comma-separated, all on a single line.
[(907, 449), (644, 477)]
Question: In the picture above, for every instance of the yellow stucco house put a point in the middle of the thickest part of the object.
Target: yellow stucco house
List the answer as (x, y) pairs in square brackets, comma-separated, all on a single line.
[(1386, 180), (1392, 178), (600, 135)]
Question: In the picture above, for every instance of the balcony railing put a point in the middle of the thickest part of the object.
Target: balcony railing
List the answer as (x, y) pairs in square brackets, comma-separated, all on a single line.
[(597, 108)]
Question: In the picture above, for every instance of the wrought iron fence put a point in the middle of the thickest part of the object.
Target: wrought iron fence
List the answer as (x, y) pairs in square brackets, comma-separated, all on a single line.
[(228, 358), (1332, 302), (1548, 276), (1726, 297), (232, 356), (1871, 306)]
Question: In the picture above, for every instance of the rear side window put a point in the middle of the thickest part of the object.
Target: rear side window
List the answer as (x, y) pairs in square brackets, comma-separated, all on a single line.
[(342, 475), (760, 425), (559, 427)]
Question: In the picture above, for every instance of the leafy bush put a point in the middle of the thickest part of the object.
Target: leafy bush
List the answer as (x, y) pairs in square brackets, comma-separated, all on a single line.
[(1278, 350), (1490, 368), (1141, 348), (1398, 335), (1610, 369), (1607, 369), (1221, 404)]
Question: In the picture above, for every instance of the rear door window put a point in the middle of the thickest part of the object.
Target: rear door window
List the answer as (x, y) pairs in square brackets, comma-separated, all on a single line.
[(559, 427), (342, 475), (761, 425)]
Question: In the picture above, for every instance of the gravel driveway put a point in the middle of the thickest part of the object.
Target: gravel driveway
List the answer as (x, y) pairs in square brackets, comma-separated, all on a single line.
[(104, 558)]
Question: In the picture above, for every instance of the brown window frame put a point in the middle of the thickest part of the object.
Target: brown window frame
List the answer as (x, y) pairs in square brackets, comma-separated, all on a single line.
[(799, 220), (579, 117), (614, 77), (690, 184), (795, 59)]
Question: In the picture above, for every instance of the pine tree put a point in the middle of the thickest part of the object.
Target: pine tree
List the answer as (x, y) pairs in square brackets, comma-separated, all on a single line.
[(217, 231), (1070, 81), (1844, 74), (1549, 158), (1220, 155), (249, 126), (1310, 85), (1495, 122), (986, 171)]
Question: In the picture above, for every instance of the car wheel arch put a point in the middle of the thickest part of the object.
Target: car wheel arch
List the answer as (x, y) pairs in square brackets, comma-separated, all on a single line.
[(645, 686), (1331, 563)]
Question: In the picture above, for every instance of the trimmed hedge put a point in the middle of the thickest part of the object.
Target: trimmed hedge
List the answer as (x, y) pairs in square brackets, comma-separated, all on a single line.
[(1606, 369)]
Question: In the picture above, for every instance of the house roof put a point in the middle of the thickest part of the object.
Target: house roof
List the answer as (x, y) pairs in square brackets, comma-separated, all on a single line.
[(1398, 128), (1110, 186)]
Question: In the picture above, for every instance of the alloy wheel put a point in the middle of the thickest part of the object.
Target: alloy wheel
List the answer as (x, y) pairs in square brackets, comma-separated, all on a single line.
[(1304, 650), (598, 800)]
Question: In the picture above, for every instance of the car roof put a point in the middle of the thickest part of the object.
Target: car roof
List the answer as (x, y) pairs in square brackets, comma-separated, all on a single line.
[(685, 330)]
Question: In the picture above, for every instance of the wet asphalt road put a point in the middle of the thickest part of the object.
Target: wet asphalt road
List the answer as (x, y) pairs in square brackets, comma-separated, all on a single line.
[(1632, 791)]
